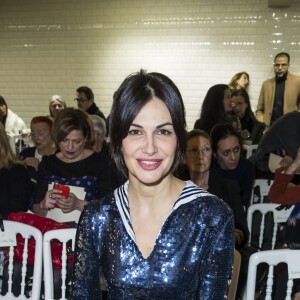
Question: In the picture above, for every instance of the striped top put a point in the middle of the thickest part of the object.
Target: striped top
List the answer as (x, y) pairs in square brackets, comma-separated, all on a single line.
[(189, 193)]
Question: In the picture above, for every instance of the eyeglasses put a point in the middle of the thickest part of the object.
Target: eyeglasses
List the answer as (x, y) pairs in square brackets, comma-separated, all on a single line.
[(194, 153), (280, 65), (79, 100)]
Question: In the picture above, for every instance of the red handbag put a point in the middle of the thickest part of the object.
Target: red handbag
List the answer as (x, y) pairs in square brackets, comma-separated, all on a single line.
[(43, 224)]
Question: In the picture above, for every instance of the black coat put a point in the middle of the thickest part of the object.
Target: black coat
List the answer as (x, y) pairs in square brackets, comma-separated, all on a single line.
[(229, 191)]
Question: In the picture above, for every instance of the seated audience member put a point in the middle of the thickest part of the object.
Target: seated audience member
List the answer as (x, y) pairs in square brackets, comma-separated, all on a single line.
[(198, 160), (15, 192), (227, 144), (10, 120), (75, 165), (217, 108), (240, 80), (85, 101), (283, 192), (56, 104), (15, 187), (251, 128), (282, 137), (196, 167), (101, 146), (99, 127), (41, 129)]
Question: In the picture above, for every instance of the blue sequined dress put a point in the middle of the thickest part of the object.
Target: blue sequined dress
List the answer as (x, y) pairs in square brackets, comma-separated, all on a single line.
[(192, 257)]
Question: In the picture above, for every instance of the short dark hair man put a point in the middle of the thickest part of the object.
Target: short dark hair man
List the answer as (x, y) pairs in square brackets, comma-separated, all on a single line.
[(279, 94), (85, 101)]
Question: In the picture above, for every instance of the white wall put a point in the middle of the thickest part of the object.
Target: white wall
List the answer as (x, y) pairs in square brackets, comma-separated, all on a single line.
[(52, 47)]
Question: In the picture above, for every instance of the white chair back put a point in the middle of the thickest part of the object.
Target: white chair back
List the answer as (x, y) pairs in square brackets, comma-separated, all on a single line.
[(235, 275), (8, 239), (262, 187), (273, 258), (18, 143), (62, 235), (250, 149), (278, 217)]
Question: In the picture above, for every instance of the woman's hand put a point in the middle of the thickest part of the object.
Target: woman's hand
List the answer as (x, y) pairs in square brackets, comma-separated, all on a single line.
[(54, 198), (286, 161), (71, 203), (32, 162), (239, 236), (297, 160), (296, 296), (67, 204), (295, 166), (50, 199)]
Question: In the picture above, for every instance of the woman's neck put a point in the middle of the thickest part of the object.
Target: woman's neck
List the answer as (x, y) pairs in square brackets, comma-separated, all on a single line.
[(83, 155), (201, 179), (155, 196), (97, 147), (48, 150)]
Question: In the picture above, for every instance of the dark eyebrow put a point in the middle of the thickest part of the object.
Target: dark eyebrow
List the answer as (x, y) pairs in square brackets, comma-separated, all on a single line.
[(230, 149), (159, 126), (164, 124), (136, 125)]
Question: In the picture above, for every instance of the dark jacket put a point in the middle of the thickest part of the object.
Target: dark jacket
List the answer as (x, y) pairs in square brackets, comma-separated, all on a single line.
[(284, 133), (229, 191), (243, 174), (15, 190), (94, 110)]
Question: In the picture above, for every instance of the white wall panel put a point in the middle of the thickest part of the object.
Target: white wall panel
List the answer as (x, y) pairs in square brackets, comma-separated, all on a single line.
[(52, 47)]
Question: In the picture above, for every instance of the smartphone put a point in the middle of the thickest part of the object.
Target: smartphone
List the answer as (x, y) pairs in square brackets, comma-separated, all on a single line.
[(64, 188)]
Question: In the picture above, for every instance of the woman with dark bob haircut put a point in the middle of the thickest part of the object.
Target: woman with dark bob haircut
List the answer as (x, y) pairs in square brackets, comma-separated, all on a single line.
[(155, 236), (136, 92)]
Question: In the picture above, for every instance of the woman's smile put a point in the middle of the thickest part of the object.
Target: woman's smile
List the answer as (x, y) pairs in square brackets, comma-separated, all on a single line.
[(149, 164)]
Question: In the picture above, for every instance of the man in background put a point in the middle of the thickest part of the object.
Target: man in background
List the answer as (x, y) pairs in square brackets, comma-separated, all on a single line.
[(85, 101), (279, 94)]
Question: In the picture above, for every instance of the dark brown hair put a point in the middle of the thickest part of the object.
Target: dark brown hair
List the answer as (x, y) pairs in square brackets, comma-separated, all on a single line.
[(134, 92), (71, 119)]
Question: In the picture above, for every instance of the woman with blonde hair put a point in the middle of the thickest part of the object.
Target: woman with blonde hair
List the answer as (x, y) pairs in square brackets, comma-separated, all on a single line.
[(56, 104), (239, 80), (15, 186), (99, 128)]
